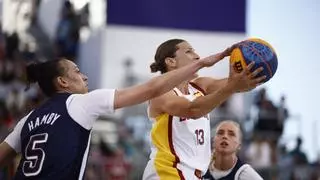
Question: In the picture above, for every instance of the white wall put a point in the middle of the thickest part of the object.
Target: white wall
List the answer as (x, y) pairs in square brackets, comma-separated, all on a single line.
[(92, 43), (13, 15), (140, 44), (293, 27), (9, 10), (91, 56)]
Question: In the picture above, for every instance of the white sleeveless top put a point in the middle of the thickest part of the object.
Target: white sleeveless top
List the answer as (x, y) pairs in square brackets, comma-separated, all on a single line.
[(177, 140)]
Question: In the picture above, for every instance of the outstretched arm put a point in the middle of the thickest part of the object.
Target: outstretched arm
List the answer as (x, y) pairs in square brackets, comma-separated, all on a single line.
[(182, 107), (249, 173), (163, 83), (86, 108), (179, 106)]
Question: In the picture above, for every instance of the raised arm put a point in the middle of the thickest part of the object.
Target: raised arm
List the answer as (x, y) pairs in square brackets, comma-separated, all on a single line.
[(179, 106), (163, 83)]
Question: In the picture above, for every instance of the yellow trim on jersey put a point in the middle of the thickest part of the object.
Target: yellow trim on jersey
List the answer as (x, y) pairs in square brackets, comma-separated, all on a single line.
[(198, 94), (165, 161)]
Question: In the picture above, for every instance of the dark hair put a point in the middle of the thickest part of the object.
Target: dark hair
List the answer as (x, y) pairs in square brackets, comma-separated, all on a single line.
[(44, 74), (165, 50)]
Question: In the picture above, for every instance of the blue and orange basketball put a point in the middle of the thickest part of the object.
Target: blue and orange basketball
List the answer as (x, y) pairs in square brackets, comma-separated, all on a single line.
[(259, 51)]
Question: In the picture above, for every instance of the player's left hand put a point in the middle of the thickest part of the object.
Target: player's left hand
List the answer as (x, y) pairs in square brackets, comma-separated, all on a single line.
[(213, 59)]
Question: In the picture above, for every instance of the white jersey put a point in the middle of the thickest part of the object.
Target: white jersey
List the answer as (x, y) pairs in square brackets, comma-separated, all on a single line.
[(179, 143)]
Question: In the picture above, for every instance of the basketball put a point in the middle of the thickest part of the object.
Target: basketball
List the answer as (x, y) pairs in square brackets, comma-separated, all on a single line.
[(259, 51)]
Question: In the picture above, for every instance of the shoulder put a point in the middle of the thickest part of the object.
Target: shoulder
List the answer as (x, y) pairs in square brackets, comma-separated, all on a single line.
[(167, 102), (93, 96), (163, 99), (13, 139), (207, 175), (206, 84), (165, 96), (86, 108), (199, 84), (23, 120), (246, 172), (200, 80)]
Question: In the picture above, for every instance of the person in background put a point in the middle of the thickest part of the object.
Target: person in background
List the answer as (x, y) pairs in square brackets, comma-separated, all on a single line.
[(225, 164)]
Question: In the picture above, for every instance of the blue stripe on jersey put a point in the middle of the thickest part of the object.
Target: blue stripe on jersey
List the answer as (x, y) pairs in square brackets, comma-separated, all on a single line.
[(54, 143)]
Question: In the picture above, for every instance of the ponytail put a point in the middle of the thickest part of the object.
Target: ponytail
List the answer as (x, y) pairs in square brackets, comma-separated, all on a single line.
[(44, 74), (33, 72), (154, 67), (33, 75)]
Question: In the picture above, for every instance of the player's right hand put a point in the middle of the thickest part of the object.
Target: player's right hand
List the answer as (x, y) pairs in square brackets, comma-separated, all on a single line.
[(245, 80)]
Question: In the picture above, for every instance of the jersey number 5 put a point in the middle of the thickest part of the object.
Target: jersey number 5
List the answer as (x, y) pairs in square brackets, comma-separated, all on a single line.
[(200, 136), (34, 155)]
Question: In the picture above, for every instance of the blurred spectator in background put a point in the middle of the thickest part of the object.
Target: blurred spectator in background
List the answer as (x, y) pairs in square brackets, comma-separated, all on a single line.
[(285, 163), (270, 118), (116, 167), (2, 46), (267, 112), (299, 157), (221, 113), (12, 43), (301, 169), (107, 162), (28, 54), (67, 35), (258, 154), (7, 72), (6, 121), (283, 114), (16, 101)]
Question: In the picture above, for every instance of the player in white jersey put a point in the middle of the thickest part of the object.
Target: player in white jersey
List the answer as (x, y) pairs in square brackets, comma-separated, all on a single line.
[(54, 138), (225, 164), (180, 135)]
